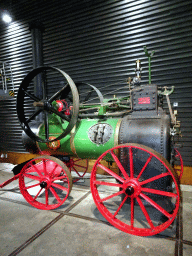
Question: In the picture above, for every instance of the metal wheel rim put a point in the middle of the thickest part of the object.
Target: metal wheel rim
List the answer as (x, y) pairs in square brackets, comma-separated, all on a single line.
[(20, 100)]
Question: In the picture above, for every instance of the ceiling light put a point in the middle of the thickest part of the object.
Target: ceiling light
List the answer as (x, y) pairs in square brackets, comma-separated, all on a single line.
[(6, 18)]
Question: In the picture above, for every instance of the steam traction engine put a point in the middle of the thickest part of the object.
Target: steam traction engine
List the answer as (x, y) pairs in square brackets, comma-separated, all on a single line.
[(133, 183)]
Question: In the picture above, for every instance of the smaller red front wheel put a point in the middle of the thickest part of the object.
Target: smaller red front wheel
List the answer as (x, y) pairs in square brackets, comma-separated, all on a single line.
[(45, 182)]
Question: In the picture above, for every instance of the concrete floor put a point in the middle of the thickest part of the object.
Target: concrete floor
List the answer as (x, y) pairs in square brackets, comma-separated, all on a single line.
[(77, 227)]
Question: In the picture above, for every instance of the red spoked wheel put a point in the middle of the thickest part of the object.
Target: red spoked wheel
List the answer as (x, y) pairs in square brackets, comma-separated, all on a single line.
[(143, 198), (178, 157), (79, 166), (45, 182)]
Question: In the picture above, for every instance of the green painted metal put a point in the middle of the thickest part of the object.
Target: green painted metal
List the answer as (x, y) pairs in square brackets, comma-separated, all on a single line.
[(77, 143), (85, 148), (149, 55)]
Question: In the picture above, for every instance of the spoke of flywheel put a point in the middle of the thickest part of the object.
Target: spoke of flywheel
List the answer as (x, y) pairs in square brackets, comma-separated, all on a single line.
[(33, 97), (34, 115), (33, 177), (111, 172), (154, 178), (111, 196), (155, 205), (98, 182), (144, 167), (119, 165), (46, 122), (131, 162), (120, 206), (59, 187), (59, 114), (145, 213), (158, 192), (57, 94), (55, 195), (37, 194)]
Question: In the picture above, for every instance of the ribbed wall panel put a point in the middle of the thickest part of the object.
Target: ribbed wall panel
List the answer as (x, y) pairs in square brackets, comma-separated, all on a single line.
[(99, 41), (16, 49)]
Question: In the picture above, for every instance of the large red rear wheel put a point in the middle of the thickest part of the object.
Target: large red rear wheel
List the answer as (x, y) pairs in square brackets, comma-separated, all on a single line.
[(45, 182), (143, 198)]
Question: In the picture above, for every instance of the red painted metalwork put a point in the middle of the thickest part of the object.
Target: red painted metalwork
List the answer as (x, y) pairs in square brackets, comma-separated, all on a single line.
[(63, 106), (45, 182), (130, 201), (5, 183), (78, 167), (178, 157)]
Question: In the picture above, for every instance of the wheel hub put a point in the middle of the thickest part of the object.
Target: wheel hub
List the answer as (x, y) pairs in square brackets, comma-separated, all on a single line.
[(132, 188), (43, 184), (129, 191)]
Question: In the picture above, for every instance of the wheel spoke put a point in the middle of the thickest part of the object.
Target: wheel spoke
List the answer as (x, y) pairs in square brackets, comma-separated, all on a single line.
[(111, 172), (46, 197), (154, 178), (119, 165), (144, 167), (44, 167), (53, 170), (59, 114), (77, 160), (80, 166), (59, 187), (57, 94), (59, 178), (33, 97), (33, 177), (75, 170), (120, 206), (145, 213), (37, 194), (97, 182), (32, 186), (37, 170), (55, 195), (111, 196), (131, 162), (158, 192), (132, 212), (46, 122), (34, 115), (155, 205)]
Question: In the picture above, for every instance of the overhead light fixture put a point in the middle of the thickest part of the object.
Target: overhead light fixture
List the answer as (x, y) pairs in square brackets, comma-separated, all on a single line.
[(6, 18)]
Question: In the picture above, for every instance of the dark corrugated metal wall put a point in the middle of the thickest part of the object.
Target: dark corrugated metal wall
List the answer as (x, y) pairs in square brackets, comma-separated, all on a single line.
[(16, 49), (99, 41)]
